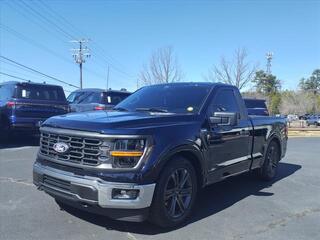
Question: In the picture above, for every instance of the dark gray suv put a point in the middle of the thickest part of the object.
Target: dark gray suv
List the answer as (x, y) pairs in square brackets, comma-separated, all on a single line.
[(91, 99)]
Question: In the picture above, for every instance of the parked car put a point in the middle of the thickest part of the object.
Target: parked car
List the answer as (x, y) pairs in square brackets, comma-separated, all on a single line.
[(292, 117), (150, 157), (25, 105), (304, 116), (256, 106), (313, 120), (90, 99)]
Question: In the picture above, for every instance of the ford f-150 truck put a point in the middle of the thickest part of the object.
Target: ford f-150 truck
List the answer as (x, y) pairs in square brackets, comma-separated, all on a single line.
[(148, 158)]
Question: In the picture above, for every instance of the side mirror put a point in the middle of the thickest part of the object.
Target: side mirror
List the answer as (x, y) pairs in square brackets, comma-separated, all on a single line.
[(224, 118)]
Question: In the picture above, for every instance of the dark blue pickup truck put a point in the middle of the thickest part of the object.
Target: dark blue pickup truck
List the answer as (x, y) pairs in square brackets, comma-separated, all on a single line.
[(150, 156), (24, 106)]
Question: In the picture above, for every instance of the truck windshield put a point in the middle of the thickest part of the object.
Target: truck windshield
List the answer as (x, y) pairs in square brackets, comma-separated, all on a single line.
[(173, 98)]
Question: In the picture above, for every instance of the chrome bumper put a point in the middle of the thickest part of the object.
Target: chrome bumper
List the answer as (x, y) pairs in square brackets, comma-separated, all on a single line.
[(99, 191)]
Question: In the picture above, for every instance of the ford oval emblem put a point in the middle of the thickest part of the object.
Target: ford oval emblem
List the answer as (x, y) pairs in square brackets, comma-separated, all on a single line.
[(60, 147)]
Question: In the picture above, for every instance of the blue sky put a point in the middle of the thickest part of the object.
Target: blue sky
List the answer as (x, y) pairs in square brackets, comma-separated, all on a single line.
[(124, 34)]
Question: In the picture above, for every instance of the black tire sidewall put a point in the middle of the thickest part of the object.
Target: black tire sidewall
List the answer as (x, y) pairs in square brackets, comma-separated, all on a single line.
[(264, 173), (159, 214)]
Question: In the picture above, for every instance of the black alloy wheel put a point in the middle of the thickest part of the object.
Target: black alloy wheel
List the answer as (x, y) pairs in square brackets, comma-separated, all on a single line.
[(175, 193), (178, 193)]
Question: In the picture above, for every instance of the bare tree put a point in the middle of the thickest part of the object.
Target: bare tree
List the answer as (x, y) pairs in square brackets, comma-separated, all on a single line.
[(296, 102), (238, 72), (163, 67)]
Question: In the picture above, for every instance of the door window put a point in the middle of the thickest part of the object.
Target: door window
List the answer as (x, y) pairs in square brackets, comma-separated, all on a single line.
[(225, 101)]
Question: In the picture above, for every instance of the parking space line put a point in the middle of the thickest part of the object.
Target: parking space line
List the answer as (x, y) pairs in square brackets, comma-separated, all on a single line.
[(16, 148), (131, 237), (19, 181)]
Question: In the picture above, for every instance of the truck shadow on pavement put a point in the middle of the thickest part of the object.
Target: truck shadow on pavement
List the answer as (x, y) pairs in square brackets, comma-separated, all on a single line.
[(22, 140), (211, 200)]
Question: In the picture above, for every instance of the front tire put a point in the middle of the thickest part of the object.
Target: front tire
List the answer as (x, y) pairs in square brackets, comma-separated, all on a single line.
[(175, 193), (272, 157)]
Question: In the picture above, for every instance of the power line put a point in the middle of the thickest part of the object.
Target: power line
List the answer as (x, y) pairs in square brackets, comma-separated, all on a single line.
[(32, 42), (42, 20), (40, 46), (27, 80), (34, 70), (44, 25), (23, 11), (48, 20), (60, 18), (28, 75), (101, 53), (16, 77)]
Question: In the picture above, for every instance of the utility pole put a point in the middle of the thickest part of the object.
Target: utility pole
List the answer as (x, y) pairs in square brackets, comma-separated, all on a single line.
[(269, 57), (80, 54), (108, 77)]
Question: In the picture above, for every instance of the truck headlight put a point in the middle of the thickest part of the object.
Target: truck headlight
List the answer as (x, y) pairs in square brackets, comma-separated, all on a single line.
[(127, 153), (122, 153)]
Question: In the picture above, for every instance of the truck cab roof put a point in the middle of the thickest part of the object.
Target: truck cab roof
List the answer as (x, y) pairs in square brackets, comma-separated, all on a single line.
[(27, 83)]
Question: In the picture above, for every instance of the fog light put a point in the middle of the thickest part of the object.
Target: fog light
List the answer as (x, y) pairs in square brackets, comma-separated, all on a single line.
[(125, 193)]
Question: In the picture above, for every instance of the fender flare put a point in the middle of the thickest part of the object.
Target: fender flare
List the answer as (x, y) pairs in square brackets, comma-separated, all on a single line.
[(196, 157)]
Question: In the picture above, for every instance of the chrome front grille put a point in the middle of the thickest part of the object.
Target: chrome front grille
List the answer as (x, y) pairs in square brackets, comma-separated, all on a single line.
[(82, 150)]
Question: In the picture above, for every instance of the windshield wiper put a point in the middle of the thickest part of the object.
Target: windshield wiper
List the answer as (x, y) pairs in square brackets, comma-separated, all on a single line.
[(121, 109), (151, 110)]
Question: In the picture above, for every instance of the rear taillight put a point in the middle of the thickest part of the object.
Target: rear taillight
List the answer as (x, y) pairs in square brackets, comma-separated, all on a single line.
[(11, 104), (99, 108)]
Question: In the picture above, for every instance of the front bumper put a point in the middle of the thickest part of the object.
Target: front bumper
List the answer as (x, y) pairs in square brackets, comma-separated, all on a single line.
[(89, 190)]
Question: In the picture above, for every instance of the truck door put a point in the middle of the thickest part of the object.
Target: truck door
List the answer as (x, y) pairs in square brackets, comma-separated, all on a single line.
[(229, 146)]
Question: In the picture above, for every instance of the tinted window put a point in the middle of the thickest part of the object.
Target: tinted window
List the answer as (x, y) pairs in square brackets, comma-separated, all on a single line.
[(92, 98), (76, 97), (170, 97), (255, 103), (40, 92), (225, 101), (5, 92), (114, 98), (2, 92)]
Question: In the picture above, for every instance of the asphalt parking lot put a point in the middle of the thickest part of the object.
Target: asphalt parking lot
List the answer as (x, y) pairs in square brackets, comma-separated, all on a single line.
[(239, 208)]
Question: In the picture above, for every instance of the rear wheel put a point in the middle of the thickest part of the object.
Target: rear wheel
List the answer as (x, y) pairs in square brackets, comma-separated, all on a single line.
[(175, 194), (269, 168)]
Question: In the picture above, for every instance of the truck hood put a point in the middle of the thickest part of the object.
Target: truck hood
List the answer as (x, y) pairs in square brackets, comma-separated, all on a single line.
[(114, 122)]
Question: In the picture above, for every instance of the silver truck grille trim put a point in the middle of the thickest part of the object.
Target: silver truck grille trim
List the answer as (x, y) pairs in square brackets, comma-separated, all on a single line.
[(83, 150), (84, 146)]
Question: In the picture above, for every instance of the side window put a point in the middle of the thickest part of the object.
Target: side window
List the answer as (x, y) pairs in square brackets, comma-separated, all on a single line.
[(2, 92), (225, 101), (5, 92)]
